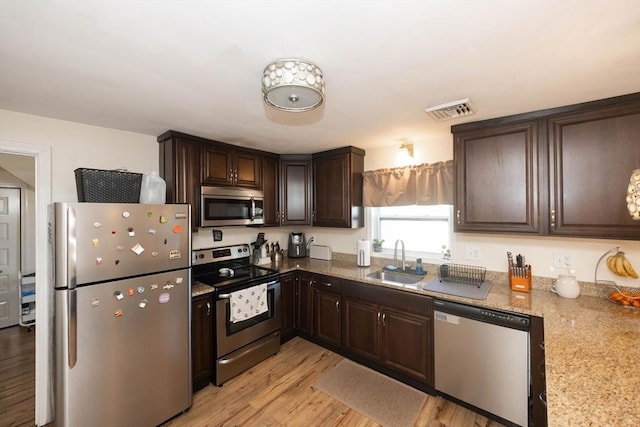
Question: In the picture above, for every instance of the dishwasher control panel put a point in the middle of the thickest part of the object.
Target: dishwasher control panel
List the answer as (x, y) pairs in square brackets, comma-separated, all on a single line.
[(496, 317)]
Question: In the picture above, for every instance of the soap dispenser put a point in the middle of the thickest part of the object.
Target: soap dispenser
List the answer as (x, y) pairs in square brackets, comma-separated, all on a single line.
[(419, 269)]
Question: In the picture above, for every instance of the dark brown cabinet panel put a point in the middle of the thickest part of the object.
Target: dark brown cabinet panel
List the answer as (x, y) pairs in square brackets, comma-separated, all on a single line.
[(327, 322), (592, 154), (295, 190), (327, 309), (217, 165), (180, 168), (226, 165), (538, 413), (337, 183), (392, 328), (559, 172), (405, 345), (288, 284), (497, 179), (361, 333), (304, 291), (202, 340), (271, 190)]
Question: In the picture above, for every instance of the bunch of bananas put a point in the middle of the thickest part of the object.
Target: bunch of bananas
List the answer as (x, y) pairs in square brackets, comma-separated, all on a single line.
[(619, 264)]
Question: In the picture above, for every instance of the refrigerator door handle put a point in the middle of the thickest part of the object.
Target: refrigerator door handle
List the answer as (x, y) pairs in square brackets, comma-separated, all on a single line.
[(72, 327), (72, 246)]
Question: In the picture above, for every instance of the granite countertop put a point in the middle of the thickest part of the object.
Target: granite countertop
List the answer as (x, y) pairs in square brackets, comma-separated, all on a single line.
[(592, 346)]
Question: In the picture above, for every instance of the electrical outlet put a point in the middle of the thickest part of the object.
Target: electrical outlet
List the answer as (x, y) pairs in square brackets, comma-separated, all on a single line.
[(473, 253), (562, 260)]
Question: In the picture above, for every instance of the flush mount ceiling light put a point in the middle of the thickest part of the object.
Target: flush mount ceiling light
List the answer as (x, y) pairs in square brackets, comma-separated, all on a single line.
[(633, 195), (293, 85)]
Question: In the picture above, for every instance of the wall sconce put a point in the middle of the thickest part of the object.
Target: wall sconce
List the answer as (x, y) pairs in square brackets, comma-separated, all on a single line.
[(633, 195), (408, 149)]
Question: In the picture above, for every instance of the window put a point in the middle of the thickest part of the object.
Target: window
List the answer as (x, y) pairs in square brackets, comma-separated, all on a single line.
[(425, 230)]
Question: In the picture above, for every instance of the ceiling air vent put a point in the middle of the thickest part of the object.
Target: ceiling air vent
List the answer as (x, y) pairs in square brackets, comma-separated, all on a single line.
[(451, 110)]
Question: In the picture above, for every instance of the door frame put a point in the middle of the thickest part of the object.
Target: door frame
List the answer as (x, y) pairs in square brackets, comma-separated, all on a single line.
[(44, 291)]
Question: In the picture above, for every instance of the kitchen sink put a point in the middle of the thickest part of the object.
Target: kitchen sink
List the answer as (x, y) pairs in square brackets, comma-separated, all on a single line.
[(394, 277)]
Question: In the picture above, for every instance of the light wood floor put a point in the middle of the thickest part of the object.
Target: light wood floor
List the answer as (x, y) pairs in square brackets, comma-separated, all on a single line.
[(277, 392)]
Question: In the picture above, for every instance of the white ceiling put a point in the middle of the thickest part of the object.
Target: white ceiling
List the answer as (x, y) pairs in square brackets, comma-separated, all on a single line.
[(196, 66)]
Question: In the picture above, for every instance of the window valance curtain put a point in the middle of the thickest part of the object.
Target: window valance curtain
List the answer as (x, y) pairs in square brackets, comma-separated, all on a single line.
[(423, 184)]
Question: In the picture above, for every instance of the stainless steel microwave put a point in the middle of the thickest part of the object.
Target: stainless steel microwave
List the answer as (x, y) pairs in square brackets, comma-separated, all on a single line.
[(220, 206)]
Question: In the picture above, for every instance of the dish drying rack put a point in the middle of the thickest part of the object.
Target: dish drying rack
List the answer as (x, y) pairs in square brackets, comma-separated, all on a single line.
[(608, 286), (460, 273)]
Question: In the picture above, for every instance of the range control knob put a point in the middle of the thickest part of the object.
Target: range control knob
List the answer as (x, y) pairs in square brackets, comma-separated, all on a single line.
[(200, 256)]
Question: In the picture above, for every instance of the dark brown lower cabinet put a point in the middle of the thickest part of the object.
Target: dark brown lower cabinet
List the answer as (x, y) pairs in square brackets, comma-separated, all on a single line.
[(327, 308), (304, 296), (288, 284), (389, 327), (201, 340), (538, 412)]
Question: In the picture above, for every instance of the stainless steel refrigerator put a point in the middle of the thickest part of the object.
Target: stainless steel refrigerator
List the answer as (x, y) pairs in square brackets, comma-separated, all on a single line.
[(122, 312)]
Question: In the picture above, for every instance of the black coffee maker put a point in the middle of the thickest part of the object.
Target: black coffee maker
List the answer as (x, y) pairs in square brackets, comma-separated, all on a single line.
[(297, 245)]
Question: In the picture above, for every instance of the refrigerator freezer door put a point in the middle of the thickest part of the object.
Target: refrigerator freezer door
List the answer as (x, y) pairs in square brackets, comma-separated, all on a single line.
[(96, 242), (123, 351)]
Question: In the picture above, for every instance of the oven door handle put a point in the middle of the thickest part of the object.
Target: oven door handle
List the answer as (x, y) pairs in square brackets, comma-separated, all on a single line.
[(228, 296)]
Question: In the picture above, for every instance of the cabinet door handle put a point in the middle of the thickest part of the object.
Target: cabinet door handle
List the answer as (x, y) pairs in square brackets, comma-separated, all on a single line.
[(384, 319), (338, 306), (553, 217), (208, 308), (379, 314), (327, 284), (543, 397), (458, 216), (231, 175)]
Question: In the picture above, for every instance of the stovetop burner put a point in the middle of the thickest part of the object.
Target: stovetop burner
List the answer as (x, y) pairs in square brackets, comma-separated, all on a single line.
[(226, 266)]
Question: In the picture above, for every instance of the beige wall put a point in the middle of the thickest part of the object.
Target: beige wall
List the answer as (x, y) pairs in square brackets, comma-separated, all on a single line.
[(77, 145), (74, 145)]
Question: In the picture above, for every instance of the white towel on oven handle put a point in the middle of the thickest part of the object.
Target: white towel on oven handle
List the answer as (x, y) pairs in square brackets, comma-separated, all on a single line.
[(248, 303)]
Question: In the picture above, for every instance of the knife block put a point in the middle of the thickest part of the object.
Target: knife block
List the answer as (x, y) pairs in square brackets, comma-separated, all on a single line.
[(520, 283)]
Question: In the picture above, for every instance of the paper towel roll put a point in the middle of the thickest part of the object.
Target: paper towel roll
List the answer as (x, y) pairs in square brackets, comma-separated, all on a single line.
[(363, 253)]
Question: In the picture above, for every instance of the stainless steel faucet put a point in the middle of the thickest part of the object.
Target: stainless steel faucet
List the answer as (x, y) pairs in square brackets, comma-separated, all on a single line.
[(395, 253)]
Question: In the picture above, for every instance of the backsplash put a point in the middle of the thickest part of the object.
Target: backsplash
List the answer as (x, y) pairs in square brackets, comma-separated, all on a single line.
[(538, 282)]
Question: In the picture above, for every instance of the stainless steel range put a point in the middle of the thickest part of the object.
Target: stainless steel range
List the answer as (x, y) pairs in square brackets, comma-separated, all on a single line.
[(247, 308)]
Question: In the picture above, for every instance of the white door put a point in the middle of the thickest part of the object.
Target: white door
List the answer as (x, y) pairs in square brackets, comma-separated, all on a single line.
[(9, 256)]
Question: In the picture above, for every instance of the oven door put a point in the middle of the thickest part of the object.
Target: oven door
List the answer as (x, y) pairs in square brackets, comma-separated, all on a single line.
[(232, 336), (230, 206)]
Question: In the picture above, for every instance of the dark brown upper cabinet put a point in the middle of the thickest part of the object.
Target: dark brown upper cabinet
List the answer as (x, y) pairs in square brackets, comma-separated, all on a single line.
[(180, 168), (592, 153), (337, 188), (497, 177), (560, 172), (271, 190), (295, 189), (224, 164)]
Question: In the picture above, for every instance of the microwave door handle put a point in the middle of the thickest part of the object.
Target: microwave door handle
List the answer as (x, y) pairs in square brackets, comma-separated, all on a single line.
[(253, 209)]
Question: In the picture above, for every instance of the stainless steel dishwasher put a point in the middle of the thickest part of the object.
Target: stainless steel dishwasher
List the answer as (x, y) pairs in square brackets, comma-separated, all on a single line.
[(482, 358)]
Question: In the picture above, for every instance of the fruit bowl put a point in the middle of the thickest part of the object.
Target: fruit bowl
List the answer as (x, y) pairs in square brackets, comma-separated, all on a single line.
[(618, 265), (623, 296)]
